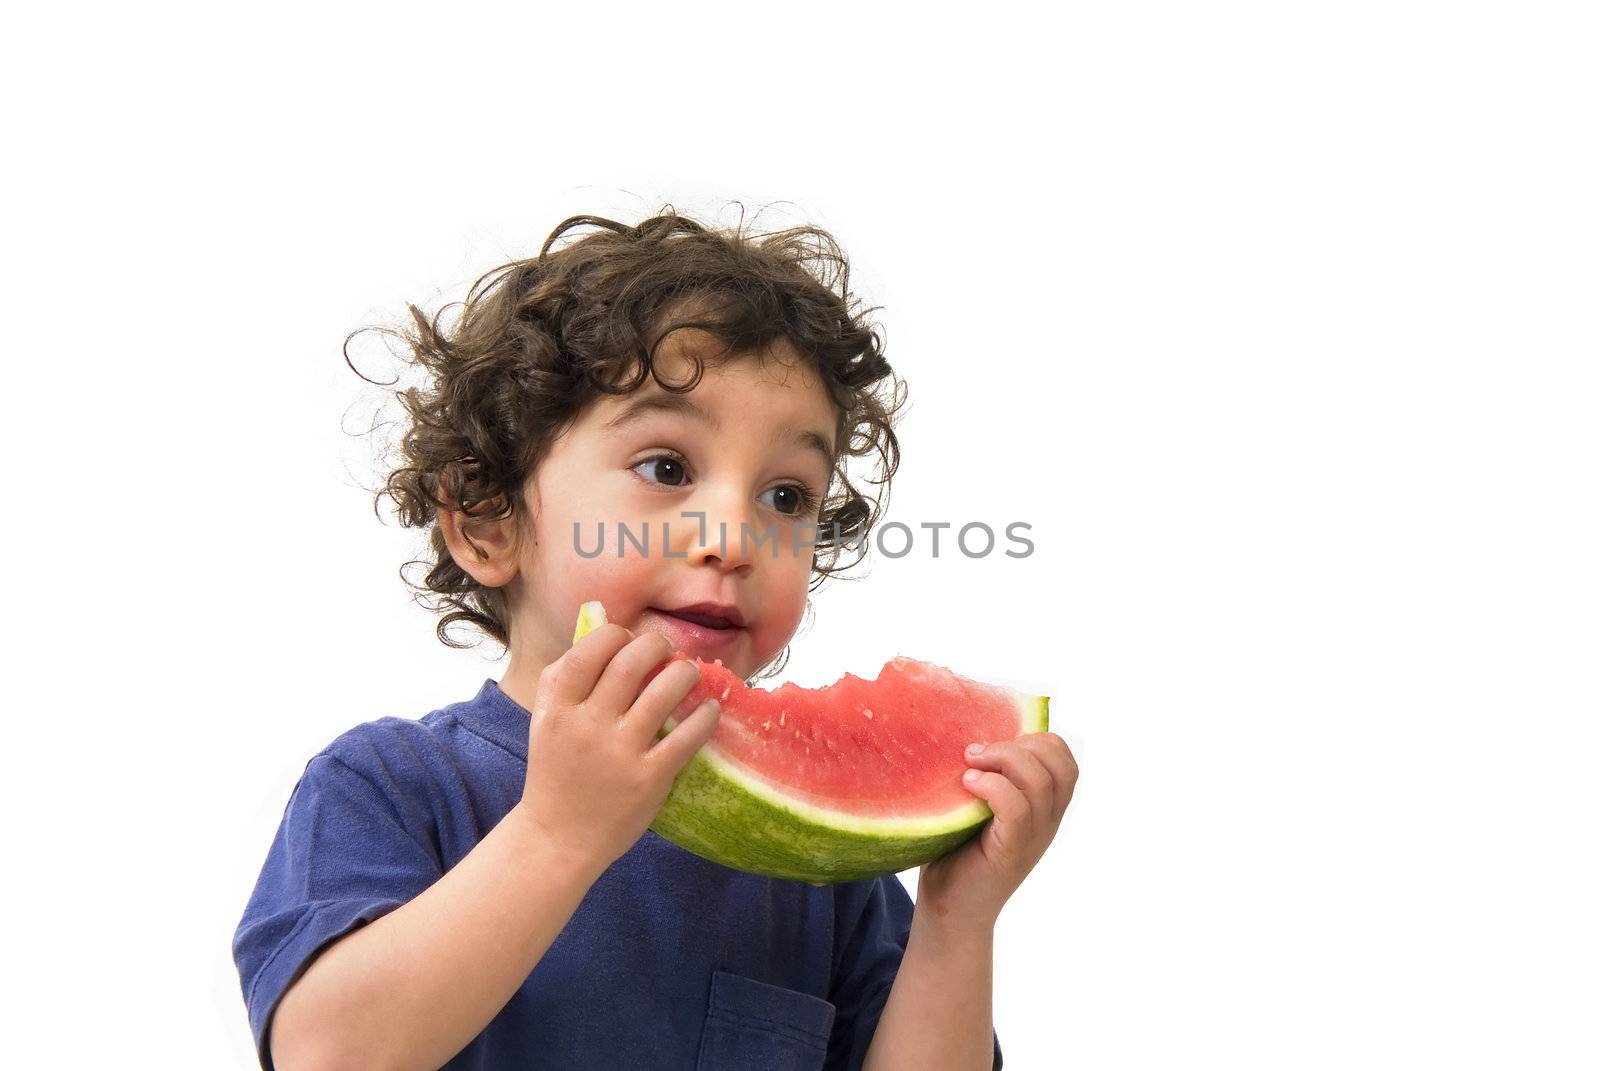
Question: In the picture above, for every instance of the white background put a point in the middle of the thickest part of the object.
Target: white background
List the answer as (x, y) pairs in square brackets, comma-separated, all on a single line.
[(1276, 321)]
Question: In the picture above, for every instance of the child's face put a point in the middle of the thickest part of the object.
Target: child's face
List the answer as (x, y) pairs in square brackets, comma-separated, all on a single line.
[(626, 462)]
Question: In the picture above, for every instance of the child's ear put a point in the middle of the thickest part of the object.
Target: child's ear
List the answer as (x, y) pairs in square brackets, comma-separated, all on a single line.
[(484, 546)]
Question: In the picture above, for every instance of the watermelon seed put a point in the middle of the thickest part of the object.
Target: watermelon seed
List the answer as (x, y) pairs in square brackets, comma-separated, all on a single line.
[(726, 690), (781, 715), (867, 711), (767, 724)]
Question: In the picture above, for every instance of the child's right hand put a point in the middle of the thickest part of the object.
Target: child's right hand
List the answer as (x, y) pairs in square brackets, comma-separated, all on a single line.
[(597, 774)]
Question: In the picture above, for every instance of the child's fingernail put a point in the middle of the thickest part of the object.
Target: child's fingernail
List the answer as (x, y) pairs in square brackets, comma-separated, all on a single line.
[(974, 749), (971, 775)]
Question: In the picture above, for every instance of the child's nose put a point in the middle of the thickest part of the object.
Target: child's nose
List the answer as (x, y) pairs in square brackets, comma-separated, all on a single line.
[(728, 533)]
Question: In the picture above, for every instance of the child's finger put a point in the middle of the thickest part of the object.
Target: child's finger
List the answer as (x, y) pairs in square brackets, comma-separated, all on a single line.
[(1024, 769), (619, 685), (571, 677), (1050, 749), (663, 695), (687, 737), (1004, 798)]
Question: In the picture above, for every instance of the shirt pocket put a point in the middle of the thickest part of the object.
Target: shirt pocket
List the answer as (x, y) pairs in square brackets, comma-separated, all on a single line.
[(752, 1024)]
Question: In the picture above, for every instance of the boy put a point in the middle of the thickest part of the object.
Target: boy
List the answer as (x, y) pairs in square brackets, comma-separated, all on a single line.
[(479, 888)]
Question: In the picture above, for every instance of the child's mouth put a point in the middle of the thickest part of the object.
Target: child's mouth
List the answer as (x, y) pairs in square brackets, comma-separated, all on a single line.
[(708, 620), (696, 630)]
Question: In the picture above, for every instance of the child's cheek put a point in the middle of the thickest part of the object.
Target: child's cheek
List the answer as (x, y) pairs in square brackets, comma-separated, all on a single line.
[(783, 608), (623, 585)]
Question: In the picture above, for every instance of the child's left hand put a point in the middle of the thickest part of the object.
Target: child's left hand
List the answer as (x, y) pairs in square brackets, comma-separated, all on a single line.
[(1027, 782)]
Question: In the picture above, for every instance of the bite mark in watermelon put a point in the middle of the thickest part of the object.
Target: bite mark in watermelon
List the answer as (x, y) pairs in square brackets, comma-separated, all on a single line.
[(854, 780)]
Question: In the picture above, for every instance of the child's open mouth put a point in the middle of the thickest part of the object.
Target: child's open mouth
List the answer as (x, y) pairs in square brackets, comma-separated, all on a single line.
[(709, 614), (695, 629)]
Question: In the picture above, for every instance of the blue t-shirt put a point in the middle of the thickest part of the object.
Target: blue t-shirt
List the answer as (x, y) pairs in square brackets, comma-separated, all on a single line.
[(671, 961)]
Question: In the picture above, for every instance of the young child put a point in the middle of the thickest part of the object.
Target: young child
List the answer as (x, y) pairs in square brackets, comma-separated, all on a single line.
[(478, 888)]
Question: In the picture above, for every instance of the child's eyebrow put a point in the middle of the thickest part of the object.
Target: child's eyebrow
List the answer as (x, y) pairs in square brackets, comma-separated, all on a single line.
[(663, 403), (644, 405)]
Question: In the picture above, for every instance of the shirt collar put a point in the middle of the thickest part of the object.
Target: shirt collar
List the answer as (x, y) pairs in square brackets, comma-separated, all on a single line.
[(494, 715)]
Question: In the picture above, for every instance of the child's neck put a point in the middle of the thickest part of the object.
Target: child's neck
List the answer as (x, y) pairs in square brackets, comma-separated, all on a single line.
[(521, 679)]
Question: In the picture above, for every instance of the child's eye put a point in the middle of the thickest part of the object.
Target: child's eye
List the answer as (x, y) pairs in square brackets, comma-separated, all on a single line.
[(797, 499), (793, 499), (663, 469)]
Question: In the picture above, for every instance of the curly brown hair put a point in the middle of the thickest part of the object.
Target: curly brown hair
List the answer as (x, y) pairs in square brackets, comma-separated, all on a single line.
[(539, 339)]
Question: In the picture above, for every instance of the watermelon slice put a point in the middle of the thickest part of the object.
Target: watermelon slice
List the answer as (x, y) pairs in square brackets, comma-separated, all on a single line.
[(856, 780)]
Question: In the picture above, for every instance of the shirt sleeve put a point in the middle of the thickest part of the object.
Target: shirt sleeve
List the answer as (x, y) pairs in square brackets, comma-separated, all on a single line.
[(870, 937), (341, 858)]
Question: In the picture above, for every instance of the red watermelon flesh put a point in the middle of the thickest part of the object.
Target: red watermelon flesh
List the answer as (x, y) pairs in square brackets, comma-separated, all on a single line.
[(891, 746), (852, 781)]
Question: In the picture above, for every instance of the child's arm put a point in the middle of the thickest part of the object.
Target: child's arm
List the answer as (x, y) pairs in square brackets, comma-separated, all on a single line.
[(412, 988), (939, 1012)]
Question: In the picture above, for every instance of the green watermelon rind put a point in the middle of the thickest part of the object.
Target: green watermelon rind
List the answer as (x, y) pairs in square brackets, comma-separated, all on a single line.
[(719, 813)]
